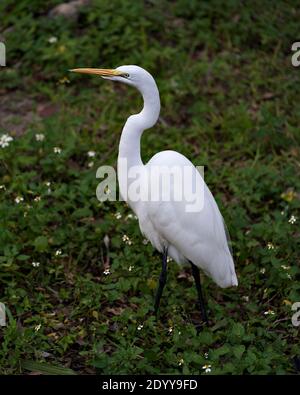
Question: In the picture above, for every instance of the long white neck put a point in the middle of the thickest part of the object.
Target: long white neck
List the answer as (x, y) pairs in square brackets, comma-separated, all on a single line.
[(130, 147), (130, 142)]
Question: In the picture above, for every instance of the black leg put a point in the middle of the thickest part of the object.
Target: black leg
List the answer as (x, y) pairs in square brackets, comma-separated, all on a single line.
[(162, 280), (196, 274)]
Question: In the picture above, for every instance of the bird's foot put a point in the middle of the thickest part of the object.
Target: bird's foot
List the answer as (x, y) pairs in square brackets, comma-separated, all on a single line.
[(199, 326)]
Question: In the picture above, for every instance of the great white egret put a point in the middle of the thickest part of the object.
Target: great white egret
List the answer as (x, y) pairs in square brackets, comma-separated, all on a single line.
[(197, 237)]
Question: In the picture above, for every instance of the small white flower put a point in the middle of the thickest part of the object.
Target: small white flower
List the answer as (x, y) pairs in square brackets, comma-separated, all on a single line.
[(170, 330), (292, 220), (37, 199), (270, 246), (140, 327), (57, 150), (179, 333), (35, 264), (284, 267), (90, 164), (40, 137), (169, 259), (206, 368), (106, 272), (206, 355), (269, 312), (263, 270), (5, 139), (64, 80), (126, 240), (282, 212), (47, 183), (3, 187), (37, 327), (130, 268), (19, 199), (245, 298), (289, 276), (58, 252), (180, 362), (129, 216), (52, 40), (91, 154), (118, 215)]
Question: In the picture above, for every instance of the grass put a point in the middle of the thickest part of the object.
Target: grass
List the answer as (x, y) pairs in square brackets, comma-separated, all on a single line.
[(229, 101)]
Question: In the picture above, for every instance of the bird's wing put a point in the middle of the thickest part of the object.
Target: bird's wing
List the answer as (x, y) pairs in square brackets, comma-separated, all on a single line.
[(229, 243), (196, 236)]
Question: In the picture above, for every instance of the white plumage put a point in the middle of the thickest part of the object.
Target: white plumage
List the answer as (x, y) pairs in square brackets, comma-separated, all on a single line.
[(198, 237)]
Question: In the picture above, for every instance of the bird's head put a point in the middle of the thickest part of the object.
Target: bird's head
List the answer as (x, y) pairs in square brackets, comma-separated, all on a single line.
[(139, 78), (130, 75)]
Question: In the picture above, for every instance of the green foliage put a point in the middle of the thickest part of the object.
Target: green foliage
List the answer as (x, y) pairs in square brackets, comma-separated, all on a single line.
[(229, 101)]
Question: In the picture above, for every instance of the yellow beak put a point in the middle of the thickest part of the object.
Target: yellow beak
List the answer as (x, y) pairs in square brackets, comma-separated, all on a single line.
[(101, 72)]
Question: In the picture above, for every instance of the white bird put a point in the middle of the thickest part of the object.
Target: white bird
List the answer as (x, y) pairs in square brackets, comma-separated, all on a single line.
[(197, 237)]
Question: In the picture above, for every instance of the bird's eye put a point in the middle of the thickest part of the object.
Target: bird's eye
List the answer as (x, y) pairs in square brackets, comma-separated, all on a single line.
[(125, 75)]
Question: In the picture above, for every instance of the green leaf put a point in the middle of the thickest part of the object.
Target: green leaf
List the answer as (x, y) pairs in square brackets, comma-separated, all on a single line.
[(205, 338), (46, 368), (82, 213), (239, 350), (238, 330), (100, 363), (223, 350), (23, 257), (41, 243)]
